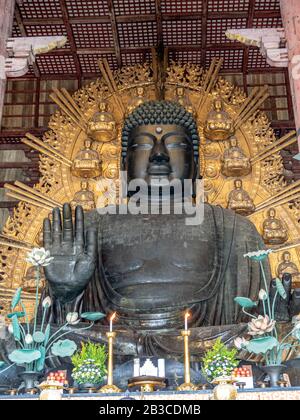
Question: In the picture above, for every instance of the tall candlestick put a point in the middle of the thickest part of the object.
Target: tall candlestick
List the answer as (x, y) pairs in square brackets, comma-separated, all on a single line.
[(110, 387), (187, 385), (111, 321), (186, 316)]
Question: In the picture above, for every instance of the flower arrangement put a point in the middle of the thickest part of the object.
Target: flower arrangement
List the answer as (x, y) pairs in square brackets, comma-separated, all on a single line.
[(262, 328), (219, 361), (89, 364), (35, 342)]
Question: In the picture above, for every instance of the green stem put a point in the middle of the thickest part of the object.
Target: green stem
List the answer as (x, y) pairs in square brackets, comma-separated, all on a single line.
[(266, 286), (65, 333), (273, 305), (43, 318), (8, 367), (37, 272), (61, 328), (247, 313), (264, 307), (26, 317)]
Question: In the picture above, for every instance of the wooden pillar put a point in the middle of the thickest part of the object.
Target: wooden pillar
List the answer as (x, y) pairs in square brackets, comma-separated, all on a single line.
[(290, 12), (7, 8)]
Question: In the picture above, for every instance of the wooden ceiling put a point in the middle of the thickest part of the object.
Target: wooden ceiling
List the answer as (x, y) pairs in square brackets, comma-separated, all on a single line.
[(124, 31)]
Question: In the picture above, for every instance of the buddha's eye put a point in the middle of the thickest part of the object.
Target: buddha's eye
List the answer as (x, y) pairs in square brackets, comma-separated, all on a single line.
[(142, 146)]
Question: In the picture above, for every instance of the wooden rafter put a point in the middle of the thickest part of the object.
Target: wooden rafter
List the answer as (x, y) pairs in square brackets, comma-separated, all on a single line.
[(114, 29)]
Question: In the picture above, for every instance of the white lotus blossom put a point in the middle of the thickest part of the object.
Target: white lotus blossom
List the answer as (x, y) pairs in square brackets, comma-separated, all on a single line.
[(240, 342), (47, 302), (39, 257), (28, 339), (72, 318), (10, 329), (262, 295)]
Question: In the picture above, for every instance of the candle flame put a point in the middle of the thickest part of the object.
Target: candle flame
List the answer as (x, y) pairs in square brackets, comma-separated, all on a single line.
[(113, 316), (187, 315)]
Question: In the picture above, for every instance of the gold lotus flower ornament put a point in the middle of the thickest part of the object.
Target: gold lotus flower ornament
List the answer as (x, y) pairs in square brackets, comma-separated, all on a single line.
[(261, 325), (39, 257)]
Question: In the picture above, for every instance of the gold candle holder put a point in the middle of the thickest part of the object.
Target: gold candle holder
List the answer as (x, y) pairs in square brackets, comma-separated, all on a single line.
[(187, 385), (110, 387)]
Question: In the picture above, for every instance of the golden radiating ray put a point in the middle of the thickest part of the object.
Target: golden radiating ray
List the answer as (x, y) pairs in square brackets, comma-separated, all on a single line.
[(66, 110), (256, 102), (29, 192), (46, 149), (209, 81), (279, 197), (282, 201), (287, 246), (68, 104), (75, 105), (16, 242), (251, 100), (274, 144), (14, 245), (272, 151), (280, 193), (111, 84), (28, 200)]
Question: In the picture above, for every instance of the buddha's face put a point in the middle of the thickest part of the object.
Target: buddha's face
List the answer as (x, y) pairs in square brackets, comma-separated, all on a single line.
[(160, 152), (140, 91), (233, 142), (238, 184), (180, 91), (272, 213), (287, 257)]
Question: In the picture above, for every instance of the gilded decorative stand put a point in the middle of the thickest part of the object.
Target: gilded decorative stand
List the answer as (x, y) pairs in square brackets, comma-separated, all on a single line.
[(110, 387), (187, 385)]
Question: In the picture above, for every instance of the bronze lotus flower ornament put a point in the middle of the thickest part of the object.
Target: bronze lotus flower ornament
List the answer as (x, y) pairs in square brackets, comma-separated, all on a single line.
[(261, 325)]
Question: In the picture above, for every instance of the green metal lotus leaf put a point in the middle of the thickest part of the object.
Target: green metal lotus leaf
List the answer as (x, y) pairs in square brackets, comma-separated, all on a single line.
[(40, 364), (245, 302), (47, 334), (64, 348), (280, 288), (1, 364), (17, 314), (16, 328), (296, 333), (39, 337), (16, 299), (24, 356), (93, 316), (261, 345)]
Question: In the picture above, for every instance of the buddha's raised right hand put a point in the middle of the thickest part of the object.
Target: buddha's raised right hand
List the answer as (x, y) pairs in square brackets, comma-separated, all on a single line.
[(74, 254)]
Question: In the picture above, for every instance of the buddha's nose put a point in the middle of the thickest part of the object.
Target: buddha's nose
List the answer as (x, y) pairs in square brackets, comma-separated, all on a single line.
[(159, 153)]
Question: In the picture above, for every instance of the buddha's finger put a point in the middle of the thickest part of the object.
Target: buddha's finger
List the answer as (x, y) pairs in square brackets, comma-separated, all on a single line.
[(91, 243), (56, 227), (79, 226), (67, 224), (47, 241)]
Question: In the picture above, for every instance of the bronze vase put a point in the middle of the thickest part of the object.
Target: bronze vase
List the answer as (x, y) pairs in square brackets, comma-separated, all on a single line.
[(274, 372), (30, 380)]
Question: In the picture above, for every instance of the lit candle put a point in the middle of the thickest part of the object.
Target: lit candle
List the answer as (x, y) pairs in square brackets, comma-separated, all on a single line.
[(111, 321), (186, 316)]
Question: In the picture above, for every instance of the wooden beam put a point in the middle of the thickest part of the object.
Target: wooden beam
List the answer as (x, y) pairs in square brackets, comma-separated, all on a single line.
[(204, 32), (114, 29), (250, 18), (71, 39), (158, 18)]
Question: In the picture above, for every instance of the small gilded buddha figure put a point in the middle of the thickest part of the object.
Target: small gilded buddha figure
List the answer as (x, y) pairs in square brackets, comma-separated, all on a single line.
[(274, 231), (137, 99), (234, 162), (288, 266), (86, 163), (29, 281), (102, 126), (84, 198), (219, 125), (239, 200), (182, 98)]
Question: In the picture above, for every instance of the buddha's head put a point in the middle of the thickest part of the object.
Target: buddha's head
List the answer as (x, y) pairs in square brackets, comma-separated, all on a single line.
[(160, 141), (233, 142), (238, 184), (272, 213), (180, 91), (286, 256), (103, 106), (140, 91)]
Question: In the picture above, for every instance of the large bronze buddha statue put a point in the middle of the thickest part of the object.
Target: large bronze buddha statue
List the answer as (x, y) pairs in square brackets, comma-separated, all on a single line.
[(151, 267)]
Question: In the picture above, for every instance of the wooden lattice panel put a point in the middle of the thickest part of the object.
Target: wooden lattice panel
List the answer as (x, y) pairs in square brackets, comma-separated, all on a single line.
[(93, 35), (56, 64), (134, 7), (182, 32), (87, 8), (256, 60), (186, 56), (267, 22), (181, 6), (232, 58), (130, 59), (135, 34), (267, 5), (228, 5), (89, 62), (33, 9), (47, 30), (216, 29)]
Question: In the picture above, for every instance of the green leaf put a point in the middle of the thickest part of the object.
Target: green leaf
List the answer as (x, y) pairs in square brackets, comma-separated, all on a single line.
[(41, 361), (280, 288), (24, 356), (47, 334), (93, 316), (16, 298), (261, 344), (64, 348), (2, 363), (17, 314), (16, 328), (244, 302), (39, 337)]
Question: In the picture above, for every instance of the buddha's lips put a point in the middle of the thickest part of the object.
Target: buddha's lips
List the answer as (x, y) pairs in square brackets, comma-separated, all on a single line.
[(157, 169)]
